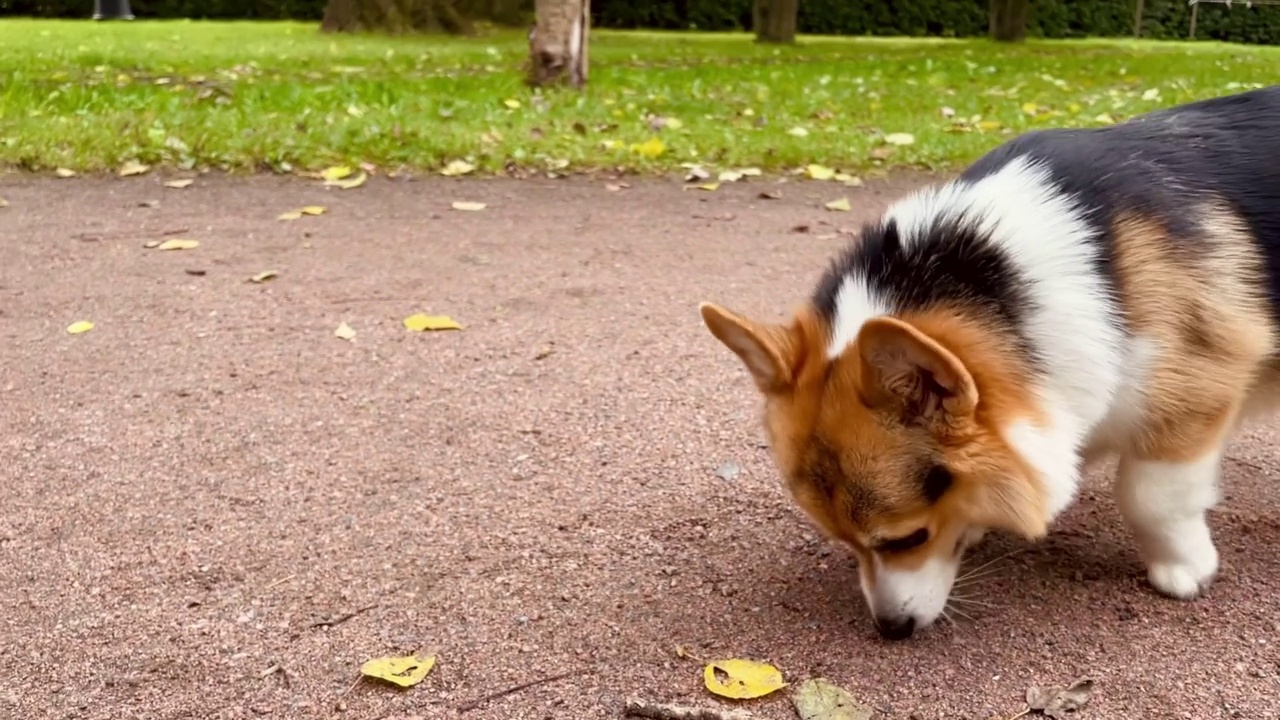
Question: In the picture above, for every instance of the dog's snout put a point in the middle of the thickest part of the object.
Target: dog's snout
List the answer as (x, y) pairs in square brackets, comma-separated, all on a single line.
[(896, 628)]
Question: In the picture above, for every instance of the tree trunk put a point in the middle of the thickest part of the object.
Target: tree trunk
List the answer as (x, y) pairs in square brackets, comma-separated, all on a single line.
[(558, 42), (1137, 18), (1008, 20), (775, 20), (394, 16), (1191, 33)]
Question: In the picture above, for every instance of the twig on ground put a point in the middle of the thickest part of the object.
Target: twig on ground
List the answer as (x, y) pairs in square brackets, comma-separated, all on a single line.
[(277, 668), (281, 581), (1022, 714), (473, 704), (343, 618), (655, 711), (1246, 463)]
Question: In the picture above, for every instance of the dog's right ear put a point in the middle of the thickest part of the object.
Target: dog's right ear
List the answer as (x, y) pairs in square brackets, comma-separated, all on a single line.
[(771, 352)]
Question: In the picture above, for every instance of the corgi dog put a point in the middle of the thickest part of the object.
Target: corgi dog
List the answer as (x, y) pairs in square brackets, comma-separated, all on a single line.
[(1074, 295)]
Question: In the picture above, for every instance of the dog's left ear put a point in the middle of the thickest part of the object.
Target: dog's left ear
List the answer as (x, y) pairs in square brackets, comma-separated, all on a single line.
[(902, 365)]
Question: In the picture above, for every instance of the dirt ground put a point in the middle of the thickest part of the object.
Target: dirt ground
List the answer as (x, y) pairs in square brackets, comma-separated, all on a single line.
[(198, 491)]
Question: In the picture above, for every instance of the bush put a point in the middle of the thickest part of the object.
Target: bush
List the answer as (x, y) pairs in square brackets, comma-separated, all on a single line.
[(1163, 19)]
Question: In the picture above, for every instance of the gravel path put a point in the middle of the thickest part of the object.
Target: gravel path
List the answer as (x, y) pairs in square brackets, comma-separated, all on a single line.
[(196, 491)]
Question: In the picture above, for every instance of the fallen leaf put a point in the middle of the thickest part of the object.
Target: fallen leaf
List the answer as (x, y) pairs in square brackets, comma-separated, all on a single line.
[(179, 184), (402, 671), (457, 167), (900, 138), (1057, 702), (264, 276), (64, 173), (850, 180), (696, 172), (611, 187), (3, 202), (337, 172), (1152, 94), (308, 210), (751, 172), (745, 679), (196, 272), (651, 148), (770, 195), (177, 244), (348, 183), (512, 103), (798, 132), (76, 328), (419, 322), (709, 187), (133, 167), (819, 172), (841, 205), (1105, 118), (988, 125), (468, 206), (729, 176), (947, 112), (881, 153), (345, 332), (1030, 108), (818, 699)]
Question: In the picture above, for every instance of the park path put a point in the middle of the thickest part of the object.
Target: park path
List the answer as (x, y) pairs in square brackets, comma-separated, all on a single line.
[(212, 507)]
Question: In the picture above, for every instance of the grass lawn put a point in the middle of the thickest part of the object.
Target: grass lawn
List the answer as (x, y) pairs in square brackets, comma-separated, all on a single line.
[(89, 97)]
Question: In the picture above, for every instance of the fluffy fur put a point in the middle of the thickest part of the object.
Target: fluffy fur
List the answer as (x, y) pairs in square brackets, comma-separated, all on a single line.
[(1073, 295)]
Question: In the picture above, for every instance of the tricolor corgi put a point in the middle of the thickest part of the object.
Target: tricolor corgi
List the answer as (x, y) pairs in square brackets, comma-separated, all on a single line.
[(1072, 296)]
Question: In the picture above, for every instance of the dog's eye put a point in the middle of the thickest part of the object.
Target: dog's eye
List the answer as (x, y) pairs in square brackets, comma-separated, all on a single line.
[(904, 543)]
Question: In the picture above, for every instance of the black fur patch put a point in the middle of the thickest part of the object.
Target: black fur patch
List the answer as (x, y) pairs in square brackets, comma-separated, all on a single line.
[(953, 265), (935, 482)]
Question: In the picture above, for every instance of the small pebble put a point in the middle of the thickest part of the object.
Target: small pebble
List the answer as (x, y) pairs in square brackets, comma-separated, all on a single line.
[(728, 471)]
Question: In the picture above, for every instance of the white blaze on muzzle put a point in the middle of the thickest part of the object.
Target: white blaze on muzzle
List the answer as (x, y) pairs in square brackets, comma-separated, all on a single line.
[(920, 594)]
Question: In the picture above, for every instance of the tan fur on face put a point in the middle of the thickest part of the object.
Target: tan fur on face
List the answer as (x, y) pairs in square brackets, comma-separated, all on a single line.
[(853, 437), (1204, 304)]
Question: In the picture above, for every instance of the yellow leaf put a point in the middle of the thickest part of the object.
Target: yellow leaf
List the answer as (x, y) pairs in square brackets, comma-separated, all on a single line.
[(3, 202), (513, 104), (308, 210), (1030, 108), (819, 172), (133, 167), (709, 187), (1074, 107), (850, 180), (468, 206), (83, 326), (988, 125), (177, 244), (65, 173), (419, 322), (798, 132), (1105, 118), (349, 183), (819, 699), (457, 167), (402, 671), (651, 148), (729, 176), (746, 678), (900, 138), (1152, 94), (291, 215), (841, 205), (179, 184), (337, 172), (345, 332), (264, 276), (751, 172), (673, 123)]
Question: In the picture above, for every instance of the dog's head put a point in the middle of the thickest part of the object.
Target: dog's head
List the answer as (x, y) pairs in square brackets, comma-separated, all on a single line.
[(893, 444)]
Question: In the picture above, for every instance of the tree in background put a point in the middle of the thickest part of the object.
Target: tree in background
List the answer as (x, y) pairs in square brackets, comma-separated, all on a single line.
[(558, 42), (775, 20), (404, 16), (1008, 20)]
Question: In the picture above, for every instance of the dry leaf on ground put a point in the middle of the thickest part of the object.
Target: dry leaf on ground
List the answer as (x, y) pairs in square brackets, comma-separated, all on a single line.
[(900, 138), (744, 679), (3, 202), (337, 172), (420, 322), (818, 699), (840, 205), (468, 206), (264, 276), (770, 195), (819, 172), (1058, 702), (729, 176), (133, 167), (180, 183), (850, 180), (402, 671), (82, 326), (457, 167), (345, 332), (308, 210), (178, 244), (709, 187), (65, 173), (348, 183), (752, 172)]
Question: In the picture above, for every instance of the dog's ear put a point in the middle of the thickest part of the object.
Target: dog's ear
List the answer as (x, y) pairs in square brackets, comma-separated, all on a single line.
[(771, 352), (903, 366)]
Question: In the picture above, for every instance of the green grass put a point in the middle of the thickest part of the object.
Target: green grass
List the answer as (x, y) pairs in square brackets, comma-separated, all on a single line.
[(282, 96)]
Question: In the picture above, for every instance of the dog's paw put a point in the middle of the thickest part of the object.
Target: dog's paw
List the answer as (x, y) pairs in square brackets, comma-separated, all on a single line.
[(1185, 579)]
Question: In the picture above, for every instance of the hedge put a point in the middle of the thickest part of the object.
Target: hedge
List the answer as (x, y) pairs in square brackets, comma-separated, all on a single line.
[(1163, 19)]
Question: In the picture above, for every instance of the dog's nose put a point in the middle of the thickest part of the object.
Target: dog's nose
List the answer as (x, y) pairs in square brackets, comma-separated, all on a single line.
[(896, 628)]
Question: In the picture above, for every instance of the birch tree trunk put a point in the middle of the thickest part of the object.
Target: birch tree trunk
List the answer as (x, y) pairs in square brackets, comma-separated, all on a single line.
[(558, 42)]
